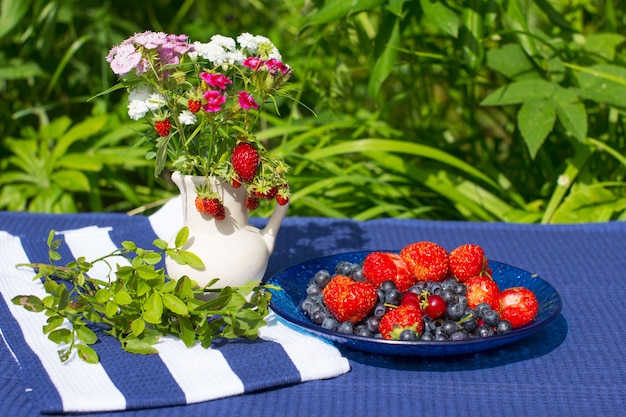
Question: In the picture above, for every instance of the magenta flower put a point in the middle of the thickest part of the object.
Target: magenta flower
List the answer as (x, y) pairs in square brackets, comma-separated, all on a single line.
[(216, 80), (274, 66), (253, 63), (214, 101), (246, 101)]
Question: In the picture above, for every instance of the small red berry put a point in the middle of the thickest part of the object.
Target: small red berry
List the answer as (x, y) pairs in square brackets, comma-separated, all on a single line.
[(412, 299), (252, 202), (282, 199), (435, 306), (194, 105), (163, 127)]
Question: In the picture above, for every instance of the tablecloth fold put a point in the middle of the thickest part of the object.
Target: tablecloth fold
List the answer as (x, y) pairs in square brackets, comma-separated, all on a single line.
[(177, 375)]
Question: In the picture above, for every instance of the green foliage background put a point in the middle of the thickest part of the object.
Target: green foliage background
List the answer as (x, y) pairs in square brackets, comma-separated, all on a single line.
[(480, 110)]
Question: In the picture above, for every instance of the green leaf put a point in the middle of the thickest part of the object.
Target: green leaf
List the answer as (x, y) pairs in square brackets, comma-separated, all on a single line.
[(63, 296), (88, 354), (129, 246), (153, 309), (11, 13), (123, 298), (186, 331), (191, 259), (441, 16), (138, 326), (602, 83), (603, 44), (572, 113), (60, 336), (103, 295), (80, 162), (181, 237), (139, 347), (339, 9), (536, 120), (160, 243), (71, 180), (53, 323), (86, 335), (29, 302), (511, 61), (386, 62), (111, 309), (520, 91), (175, 305)]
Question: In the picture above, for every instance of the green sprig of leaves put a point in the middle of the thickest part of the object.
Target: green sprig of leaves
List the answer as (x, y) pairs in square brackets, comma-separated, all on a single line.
[(139, 303)]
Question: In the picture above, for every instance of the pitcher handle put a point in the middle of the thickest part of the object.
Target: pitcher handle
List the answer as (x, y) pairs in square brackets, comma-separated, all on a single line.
[(270, 231)]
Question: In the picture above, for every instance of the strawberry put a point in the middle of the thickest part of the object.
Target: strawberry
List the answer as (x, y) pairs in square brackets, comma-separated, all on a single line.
[(467, 261), (252, 202), (194, 105), (245, 161), (482, 289), (282, 199), (163, 127), (382, 266), (349, 300), (210, 205), (426, 260), (518, 305), (399, 319)]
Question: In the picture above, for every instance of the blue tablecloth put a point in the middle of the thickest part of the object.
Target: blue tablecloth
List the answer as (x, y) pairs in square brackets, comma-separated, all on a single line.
[(573, 367)]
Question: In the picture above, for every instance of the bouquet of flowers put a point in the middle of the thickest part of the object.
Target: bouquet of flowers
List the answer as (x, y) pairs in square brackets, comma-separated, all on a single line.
[(203, 102)]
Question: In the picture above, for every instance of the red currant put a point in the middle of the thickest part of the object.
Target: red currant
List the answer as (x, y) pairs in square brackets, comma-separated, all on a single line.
[(411, 298), (436, 307)]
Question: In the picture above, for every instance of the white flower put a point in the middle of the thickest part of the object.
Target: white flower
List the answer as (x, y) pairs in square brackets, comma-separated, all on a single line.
[(255, 44), (224, 41), (137, 109), (187, 118), (141, 93), (155, 101), (212, 51)]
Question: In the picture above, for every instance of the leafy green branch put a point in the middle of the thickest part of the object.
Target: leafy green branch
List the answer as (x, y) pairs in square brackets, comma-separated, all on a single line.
[(138, 303)]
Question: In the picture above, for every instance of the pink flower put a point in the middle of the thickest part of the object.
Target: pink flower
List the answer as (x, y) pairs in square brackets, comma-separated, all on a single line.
[(246, 101), (214, 101), (123, 58), (274, 66), (253, 63), (216, 80)]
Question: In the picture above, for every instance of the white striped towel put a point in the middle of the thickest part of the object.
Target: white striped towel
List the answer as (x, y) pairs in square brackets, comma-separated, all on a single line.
[(177, 375)]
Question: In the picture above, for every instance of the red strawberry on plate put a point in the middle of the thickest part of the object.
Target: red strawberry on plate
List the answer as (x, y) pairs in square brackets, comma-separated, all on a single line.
[(482, 289), (428, 261), (518, 305), (405, 317), (349, 300), (467, 261), (245, 161), (379, 267)]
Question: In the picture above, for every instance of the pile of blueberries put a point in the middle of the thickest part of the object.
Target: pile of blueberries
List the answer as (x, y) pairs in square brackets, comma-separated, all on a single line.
[(460, 322)]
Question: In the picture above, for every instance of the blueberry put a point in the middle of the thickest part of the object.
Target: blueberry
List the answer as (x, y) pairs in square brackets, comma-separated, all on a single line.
[(346, 327), (463, 301), (449, 296), (503, 326), (483, 331), (362, 330), (469, 324), (480, 307), (460, 289), (321, 278), (459, 335), (344, 268), (372, 323), (393, 297), (388, 285), (408, 335), (313, 289), (448, 284), (491, 317), (380, 310), (448, 327), (357, 273), (455, 311), (380, 294), (427, 336), (330, 323), (318, 316), (434, 288)]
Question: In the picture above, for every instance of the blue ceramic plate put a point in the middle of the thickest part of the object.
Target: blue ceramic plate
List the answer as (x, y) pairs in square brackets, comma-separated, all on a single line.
[(294, 280)]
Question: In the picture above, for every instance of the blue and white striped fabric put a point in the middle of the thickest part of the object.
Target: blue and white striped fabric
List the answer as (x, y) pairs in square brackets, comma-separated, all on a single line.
[(122, 381)]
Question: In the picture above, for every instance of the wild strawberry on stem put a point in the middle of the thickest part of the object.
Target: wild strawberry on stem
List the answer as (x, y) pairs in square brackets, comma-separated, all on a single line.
[(252, 202), (162, 125), (209, 202), (245, 161)]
